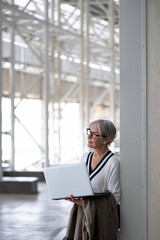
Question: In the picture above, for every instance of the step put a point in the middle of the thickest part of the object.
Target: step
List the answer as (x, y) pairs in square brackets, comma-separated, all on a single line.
[(23, 185), (38, 174)]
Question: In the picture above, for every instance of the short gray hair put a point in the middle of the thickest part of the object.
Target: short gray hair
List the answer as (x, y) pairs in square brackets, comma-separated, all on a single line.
[(106, 128)]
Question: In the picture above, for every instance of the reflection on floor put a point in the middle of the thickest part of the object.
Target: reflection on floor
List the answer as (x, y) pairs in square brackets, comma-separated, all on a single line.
[(33, 216)]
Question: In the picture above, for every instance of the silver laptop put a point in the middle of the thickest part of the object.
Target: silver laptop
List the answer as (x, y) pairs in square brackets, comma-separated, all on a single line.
[(69, 179)]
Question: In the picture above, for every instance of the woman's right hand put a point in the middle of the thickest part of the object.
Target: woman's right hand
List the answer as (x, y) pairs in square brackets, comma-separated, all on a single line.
[(74, 200)]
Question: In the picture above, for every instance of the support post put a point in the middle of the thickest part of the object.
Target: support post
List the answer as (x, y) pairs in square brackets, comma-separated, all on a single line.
[(46, 84), (112, 61), (12, 83), (58, 86), (87, 79), (1, 170), (82, 78), (133, 122), (52, 10)]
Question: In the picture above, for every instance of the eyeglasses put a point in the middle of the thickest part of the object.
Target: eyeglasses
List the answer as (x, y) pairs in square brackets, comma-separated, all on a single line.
[(93, 134)]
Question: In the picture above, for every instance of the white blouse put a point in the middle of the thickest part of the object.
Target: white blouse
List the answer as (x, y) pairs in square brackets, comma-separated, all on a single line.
[(106, 175)]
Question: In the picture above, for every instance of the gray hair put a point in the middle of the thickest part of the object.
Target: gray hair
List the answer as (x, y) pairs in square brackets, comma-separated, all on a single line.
[(106, 128)]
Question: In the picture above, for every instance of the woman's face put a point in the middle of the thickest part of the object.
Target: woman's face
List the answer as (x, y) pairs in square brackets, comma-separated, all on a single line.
[(97, 142)]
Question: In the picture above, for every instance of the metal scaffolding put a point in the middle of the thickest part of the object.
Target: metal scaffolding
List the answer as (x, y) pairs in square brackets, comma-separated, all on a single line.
[(70, 54)]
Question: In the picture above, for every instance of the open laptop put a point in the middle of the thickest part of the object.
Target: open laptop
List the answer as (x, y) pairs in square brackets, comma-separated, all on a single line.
[(69, 179)]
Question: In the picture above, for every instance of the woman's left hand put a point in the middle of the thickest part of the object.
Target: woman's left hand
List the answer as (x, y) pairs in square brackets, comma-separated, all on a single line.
[(74, 200)]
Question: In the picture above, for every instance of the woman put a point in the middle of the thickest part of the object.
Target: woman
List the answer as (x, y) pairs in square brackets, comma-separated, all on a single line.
[(103, 166)]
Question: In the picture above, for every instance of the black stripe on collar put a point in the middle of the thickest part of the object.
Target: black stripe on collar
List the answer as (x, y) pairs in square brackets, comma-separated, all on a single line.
[(90, 169), (88, 157), (102, 165)]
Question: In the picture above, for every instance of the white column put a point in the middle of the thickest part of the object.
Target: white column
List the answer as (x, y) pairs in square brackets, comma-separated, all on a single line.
[(58, 85), (153, 113), (12, 95), (133, 120), (87, 78), (46, 84), (52, 10), (82, 88), (112, 61), (1, 171)]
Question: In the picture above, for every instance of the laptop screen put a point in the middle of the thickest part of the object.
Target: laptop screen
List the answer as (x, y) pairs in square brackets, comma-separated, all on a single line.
[(69, 179)]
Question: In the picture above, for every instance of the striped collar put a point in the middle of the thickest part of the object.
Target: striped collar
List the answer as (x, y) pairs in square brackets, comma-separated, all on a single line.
[(100, 165)]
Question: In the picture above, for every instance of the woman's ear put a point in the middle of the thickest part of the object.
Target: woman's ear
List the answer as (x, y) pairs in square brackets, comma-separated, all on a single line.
[(107, 140)]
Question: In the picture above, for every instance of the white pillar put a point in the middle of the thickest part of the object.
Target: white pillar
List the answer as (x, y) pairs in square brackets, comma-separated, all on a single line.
[(1, 171), (82, 88), (153, 113), (133, 120), (12, 95), (87, 78), (46, 84), (58, 85), (112, 61)]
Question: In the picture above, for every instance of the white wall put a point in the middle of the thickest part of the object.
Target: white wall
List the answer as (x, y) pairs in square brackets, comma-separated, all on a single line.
[(133, 119), (140, 116), (153, 116)]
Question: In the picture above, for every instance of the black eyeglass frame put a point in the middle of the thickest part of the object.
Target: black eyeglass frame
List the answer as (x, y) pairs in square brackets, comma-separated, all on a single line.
[(93, 134)]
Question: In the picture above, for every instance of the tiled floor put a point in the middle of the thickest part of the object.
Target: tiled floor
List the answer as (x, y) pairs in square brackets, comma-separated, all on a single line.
[(33, 217)]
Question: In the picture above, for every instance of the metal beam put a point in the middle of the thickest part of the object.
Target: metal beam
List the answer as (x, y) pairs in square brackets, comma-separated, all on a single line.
[(75, 93), (31, 48), (29, 89), (99, 100), (33, 18), (52, 28), (22, 13), (18, 119), (27, 4), (68, 43), (69, 92), (33, 84)]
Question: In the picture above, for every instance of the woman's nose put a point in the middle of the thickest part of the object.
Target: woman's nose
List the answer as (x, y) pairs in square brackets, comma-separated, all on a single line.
[(89, 135)]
